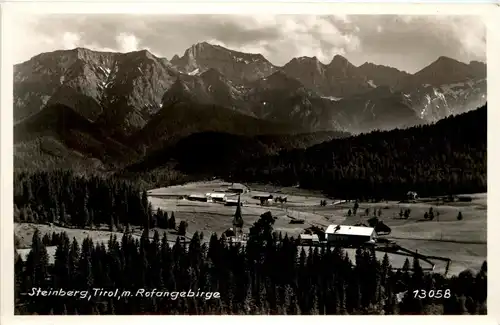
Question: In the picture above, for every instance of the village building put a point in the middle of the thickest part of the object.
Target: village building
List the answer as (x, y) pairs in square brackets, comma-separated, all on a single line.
[(216, 197), (236, 188), (412, 195), (308, 239), (350, 235)]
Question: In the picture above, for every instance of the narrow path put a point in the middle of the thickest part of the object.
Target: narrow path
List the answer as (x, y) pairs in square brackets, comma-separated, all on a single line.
[(440, 240)]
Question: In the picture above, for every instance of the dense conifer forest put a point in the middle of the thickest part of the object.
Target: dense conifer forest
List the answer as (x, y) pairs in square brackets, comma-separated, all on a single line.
[(65, 198), (271, 275)]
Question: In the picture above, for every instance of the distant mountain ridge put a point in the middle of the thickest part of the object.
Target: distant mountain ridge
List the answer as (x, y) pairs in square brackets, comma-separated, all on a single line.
[(134, 96)]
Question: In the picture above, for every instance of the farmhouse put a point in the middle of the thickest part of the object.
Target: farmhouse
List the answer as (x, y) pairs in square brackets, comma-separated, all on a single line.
[(350, 234), (412, 195), (307, 239), (216, 197), (232, 202)]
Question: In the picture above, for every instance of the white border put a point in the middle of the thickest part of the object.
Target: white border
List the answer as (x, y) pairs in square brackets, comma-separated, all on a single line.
[(6, 158)]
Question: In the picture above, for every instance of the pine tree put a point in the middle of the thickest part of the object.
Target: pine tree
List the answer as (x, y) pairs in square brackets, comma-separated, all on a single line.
[(74, 256), (19, 285), (238, 219), (62, 276), (37, 262), (356, 207), (182, 228), (171, 221)]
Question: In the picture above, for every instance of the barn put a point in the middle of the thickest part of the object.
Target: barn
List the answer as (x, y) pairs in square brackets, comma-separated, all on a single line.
[(262, 197), (236, 188), (197, 197), (350, 235)]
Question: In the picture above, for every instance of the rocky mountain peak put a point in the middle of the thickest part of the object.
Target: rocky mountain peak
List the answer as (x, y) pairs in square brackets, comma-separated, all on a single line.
[(280, 79), (442, 71), (339, 60), (236, 66)]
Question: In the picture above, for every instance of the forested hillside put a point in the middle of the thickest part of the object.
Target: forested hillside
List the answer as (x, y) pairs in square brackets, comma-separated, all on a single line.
[(446, 157)]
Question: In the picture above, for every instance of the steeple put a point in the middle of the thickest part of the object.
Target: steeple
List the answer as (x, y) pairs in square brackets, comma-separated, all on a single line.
[(238, 220)]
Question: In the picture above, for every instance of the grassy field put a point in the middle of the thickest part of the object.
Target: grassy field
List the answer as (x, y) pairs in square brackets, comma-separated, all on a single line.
[(463, 241)]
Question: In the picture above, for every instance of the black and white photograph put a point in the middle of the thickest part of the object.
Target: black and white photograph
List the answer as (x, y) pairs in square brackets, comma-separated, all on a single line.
[(249, 164)]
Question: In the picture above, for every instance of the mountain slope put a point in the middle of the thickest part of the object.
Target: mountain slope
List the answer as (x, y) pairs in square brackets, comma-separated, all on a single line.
[(381, 108), (220, 151), (72, 134), (36, 80), (380, 75), (209, 87), (179, 119), (339, 78), (282, 98), (119, 90), (447, 71)]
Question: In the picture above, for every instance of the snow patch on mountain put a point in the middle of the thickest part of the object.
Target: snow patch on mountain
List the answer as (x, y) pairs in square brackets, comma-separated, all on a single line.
[(334, 99), (241, 60), (194, 72), (105, 71), (370, 82)]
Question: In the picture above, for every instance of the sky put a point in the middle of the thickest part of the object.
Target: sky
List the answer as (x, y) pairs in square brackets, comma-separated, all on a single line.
[(408, 43)]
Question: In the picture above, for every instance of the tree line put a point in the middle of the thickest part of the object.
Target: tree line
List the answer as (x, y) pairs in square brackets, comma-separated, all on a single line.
[(82, 201)]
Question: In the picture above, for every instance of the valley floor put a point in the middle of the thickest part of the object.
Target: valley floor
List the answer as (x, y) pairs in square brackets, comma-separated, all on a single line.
[(464, 242)]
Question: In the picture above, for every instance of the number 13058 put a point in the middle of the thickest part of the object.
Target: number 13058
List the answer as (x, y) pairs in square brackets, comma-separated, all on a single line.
[(422, 294)]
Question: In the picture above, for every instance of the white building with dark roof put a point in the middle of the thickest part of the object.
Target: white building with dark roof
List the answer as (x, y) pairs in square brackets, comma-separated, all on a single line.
[(350, 234), (216, 197), (308, 239)]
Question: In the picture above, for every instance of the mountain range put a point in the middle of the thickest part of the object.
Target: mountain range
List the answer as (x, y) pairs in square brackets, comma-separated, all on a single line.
[(125, 104)]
